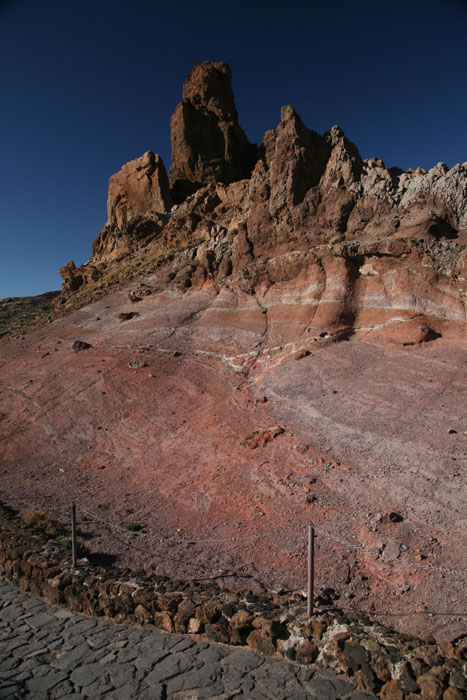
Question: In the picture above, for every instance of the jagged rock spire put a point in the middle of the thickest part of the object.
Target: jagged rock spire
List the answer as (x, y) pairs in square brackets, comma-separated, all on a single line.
[(208, 144)]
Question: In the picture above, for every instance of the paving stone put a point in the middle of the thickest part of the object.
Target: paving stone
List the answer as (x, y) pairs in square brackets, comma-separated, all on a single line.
[(128, 654), (41, 620), (243, 659), (11, 691), (149, 659), (201, 678), (183, 645), (97, 689), (45, 683), (9, 663), (104, 658), (275, 669), (212, 691), (272, 686), (322, 689), (52, 654), (247, 683), (83, 625), (155, 692), (232, 678), (62, 614), (61, 689), (87, 674), (295, 690), (71, 659), (11, 613), (169, 667), (157, 640), (211, 654), (129, 691), (121, 674)]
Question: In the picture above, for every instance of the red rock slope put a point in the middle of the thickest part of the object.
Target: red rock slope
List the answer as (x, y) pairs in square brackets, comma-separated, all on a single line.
[(266, 352)]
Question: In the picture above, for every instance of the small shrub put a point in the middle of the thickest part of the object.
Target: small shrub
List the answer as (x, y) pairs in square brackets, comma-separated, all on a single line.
[(133, 527), (65, 541), (38, 520)]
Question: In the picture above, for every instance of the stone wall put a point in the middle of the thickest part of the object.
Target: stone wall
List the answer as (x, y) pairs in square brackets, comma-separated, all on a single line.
[(376, 658)]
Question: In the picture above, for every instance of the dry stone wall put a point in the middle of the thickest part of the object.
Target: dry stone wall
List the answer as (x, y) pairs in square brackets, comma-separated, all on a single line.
[(378, 660)]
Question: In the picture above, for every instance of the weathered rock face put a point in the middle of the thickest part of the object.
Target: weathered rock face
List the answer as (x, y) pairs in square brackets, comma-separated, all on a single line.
[(140, 188), (138, 199), (319, 236), (208, 145)]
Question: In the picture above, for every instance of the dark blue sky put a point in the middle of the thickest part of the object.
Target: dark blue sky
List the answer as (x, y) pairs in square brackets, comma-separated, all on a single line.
[(89, 85)]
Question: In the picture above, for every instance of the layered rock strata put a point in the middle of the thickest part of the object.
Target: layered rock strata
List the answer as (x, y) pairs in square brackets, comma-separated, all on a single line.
[(304, 224)]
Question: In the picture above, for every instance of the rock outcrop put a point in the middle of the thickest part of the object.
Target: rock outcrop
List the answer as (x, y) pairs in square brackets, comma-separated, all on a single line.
[(303, 222), (208, 144)]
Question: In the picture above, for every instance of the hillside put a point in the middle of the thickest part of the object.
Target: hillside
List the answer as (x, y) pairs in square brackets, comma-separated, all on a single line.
[(275, 335), (18, 312)]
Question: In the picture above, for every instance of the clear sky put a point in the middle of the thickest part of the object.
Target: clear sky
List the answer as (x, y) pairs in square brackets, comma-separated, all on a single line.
[(88, 85)]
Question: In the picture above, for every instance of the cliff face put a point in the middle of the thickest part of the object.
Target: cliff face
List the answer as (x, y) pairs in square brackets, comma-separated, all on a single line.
[(320, 236), (208, 144)]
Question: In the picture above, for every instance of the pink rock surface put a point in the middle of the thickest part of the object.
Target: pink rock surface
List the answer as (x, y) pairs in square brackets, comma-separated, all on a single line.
[(366, 432)]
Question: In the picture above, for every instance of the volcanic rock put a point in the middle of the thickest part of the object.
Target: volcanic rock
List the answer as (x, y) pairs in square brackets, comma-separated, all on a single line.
[(208, 145), (306, 250), (137, 200), (79, 345)]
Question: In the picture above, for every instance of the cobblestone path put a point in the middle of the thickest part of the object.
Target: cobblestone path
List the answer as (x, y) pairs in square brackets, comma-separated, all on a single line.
[(48, 652)]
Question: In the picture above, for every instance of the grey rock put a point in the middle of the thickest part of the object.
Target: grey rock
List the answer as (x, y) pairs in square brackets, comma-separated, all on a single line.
[(274, 687), (45, 683), (130, 653), (11, 691), (155, 692), (41, 620), (125, 692), (169, 667), (61, 689), (71, 659), (322, 689), (87, 674), (183, 645), (232, 678), (275, 669), (148, 660), (211, 655), (121, 674), (201, 678), (243, 659)]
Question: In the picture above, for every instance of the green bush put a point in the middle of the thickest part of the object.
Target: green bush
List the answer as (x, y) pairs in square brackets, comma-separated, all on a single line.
[(133, 527)]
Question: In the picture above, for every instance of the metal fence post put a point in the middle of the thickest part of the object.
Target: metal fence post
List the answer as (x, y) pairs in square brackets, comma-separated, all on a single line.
[(73, 536), (311, 569)]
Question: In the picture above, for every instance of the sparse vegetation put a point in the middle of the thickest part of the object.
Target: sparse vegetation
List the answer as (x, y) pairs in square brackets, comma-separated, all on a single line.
[(133, 526), (122, 272), (18, 312), (39, 520), (81, 548)]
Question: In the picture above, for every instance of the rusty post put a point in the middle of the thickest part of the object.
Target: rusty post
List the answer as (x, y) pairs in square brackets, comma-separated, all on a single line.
[(73, 535), (311, 569)]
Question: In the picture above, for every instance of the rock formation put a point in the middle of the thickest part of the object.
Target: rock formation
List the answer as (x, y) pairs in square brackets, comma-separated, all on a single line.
[(304, 217), (216, 394), (208, 145)]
